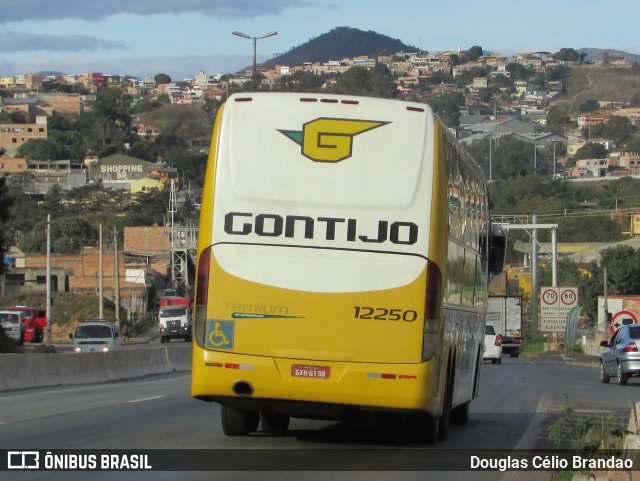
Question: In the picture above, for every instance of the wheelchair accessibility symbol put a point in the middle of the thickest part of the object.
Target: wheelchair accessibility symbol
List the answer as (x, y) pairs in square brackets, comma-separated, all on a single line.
[(219, 334)]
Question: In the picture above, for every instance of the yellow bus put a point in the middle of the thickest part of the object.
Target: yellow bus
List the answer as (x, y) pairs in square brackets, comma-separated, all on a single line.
[(344, 251)]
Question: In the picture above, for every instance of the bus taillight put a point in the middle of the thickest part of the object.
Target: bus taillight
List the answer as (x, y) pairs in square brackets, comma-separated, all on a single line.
[(202, 295), (432, 311), (434, 291)]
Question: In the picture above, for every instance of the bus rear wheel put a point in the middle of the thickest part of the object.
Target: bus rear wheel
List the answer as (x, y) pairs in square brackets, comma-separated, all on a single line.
[(460, 414), (238, 423), (274, 423), (423, 427)]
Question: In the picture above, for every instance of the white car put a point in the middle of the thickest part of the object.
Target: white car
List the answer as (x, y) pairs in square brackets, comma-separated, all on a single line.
[(492, 345)]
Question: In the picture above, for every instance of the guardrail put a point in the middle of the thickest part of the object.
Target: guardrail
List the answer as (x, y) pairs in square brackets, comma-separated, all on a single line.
[(25, 371)]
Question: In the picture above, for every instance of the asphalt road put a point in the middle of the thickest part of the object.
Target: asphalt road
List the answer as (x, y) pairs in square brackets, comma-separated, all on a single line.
[(518, 401)]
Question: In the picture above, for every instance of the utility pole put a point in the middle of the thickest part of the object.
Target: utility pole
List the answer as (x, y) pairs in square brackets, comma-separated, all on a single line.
[(534, 281), (117, 277), (172, 210), (48, 283), (535, 157), (100, 280), (490, 178), (606, 305)]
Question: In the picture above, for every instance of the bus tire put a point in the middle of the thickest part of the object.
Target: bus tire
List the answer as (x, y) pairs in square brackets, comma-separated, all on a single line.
[(274, 423), (476, 376), (460, 414), (238, 423), (424, 428), (443, 421)]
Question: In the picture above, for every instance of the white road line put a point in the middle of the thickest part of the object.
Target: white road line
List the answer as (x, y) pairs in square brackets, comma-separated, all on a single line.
[(145, 399)]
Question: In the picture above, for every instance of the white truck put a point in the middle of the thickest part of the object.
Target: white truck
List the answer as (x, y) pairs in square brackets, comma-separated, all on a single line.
[(13, 328), (505, 313), (174, 318)]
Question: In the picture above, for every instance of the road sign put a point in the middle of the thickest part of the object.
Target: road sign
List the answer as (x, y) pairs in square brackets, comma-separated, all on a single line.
[(555, 305), (620, 318)]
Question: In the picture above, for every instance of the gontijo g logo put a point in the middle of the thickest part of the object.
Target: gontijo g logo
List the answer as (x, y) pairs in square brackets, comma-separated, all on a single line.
[(329, 140)]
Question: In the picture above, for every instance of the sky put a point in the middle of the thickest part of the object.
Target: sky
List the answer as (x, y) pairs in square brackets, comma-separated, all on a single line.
[(181, 38)]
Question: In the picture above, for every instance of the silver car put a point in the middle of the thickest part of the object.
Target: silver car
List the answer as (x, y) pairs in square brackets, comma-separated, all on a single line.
[(621, 357)]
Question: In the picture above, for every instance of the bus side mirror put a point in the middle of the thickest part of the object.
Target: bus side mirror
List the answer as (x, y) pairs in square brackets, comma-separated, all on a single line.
[(497, 249), (70, 336)]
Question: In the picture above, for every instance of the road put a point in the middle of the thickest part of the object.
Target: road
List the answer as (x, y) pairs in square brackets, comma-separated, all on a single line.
[(517, 401)]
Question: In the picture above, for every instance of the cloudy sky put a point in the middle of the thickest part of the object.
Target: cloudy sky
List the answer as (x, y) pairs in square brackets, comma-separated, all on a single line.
[(180, 38)]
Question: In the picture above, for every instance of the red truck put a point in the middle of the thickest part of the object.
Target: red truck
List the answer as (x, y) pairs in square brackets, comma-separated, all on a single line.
[(34, 322)]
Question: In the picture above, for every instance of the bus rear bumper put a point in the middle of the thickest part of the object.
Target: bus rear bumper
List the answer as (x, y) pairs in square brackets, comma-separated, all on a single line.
[(310, 388)]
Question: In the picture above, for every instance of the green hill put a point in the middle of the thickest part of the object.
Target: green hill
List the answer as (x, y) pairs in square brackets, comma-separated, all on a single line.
[(339, 43), (606, 83)]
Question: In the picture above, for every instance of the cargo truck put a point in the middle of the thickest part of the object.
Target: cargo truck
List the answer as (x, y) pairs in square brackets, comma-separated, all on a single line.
[(505, 313), (174, 318)]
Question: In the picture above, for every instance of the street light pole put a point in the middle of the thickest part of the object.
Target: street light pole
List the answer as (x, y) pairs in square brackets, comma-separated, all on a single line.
[(490, 179), (255, 42), (535, 156), (554, 159)]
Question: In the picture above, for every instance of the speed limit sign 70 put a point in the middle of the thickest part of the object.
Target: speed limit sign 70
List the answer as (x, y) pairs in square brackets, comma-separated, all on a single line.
[(550, 296)]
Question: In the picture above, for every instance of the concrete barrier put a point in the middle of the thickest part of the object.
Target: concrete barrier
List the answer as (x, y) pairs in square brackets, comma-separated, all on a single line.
[(179, 359), (23, 371)]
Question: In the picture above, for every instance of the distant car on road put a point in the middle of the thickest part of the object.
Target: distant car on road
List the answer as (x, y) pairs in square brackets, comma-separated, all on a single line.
[(492, 345), (621, 357)]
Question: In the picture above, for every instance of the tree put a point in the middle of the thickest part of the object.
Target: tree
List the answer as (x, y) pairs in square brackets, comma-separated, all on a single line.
[(569, 273), (568, 55), (42, 149), (475, 52), (361, 81), (623, 264), (633, 145), (589, 106), (591, 150), (557, 120), (447, 106), (517, 71), (381, 83), (559, 73), (584, 229), (618, 128), (306, 81), (162, 78)]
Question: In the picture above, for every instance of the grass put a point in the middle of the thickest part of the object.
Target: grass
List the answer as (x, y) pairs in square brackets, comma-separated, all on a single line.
[(531, 348), (589, 82)]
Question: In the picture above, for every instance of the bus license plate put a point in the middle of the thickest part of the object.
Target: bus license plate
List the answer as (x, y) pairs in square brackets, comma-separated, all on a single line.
[(316, 372)]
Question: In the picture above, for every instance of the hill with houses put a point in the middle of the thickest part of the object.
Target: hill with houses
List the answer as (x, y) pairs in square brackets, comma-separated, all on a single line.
[(528, 102)]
